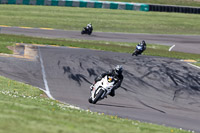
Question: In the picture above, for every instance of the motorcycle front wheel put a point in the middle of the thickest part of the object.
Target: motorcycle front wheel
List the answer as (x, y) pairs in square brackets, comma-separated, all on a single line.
[(134, 53), (90, 100), (98, 96)]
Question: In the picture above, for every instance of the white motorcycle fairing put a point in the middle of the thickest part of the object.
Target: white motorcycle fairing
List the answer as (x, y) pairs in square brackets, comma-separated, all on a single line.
[(104, 86), (139, 47)]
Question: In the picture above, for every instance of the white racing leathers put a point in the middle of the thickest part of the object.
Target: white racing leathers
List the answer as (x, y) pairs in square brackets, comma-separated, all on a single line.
[(101, 89)]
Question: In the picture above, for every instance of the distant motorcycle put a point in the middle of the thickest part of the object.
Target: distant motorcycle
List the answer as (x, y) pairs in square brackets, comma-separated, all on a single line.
[(87, 30), (101, 89), (139, 49)]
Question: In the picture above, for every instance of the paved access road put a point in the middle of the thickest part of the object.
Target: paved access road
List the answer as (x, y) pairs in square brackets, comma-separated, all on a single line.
[(158, 90), (183, 43)]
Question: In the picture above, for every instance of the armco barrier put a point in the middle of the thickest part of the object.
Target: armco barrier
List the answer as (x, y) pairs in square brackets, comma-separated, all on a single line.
[(171, 8), (82, 3)]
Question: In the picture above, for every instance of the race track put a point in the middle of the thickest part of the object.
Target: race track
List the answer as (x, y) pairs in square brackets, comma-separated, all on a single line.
[(158, 90)]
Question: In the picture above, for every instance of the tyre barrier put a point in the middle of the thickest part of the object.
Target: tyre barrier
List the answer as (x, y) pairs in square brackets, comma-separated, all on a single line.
[(107, 5), (171, 8), (82, 3)]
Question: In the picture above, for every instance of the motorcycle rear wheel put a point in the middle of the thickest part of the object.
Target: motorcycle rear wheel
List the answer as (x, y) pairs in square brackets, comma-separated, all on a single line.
[(90, 32)]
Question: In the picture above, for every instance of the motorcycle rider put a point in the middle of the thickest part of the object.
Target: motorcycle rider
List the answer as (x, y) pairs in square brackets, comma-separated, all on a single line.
[(89, 26), (143, 45), (116, 73)]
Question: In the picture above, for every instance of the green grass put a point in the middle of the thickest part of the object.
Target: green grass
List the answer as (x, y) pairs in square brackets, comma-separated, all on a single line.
[(3, 47), (23, 109), (152, 50), (71, 18), (195, 3), (197, 64)]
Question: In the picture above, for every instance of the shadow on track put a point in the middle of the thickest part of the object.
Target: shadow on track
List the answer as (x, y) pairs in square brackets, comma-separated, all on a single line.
[(117, 106)]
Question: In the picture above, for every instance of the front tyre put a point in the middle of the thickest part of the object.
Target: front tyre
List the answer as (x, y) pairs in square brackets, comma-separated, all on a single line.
[(134, 53), (90, 100), (98, 96)]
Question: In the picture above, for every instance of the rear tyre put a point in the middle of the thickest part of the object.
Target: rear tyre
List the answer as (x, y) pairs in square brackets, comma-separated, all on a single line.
[(90, 32), (98, 96)]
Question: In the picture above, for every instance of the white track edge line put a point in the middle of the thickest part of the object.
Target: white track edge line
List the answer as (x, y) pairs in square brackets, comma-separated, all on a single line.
[(47, 91), (44, 77), (171, 47), (194, 65)]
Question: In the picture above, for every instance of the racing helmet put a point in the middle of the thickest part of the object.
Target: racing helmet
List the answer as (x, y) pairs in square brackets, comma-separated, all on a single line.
[(118, 70), (143, 42)]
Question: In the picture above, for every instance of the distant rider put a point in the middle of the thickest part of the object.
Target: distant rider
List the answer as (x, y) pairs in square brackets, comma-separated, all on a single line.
[(116, 73), (143, 45), (89, 26)]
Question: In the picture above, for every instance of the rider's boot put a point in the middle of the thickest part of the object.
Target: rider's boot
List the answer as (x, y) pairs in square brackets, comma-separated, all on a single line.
[(112, 93)]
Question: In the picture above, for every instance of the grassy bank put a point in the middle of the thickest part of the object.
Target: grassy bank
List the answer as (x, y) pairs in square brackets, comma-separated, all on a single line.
[(71, 18), (24, 108)]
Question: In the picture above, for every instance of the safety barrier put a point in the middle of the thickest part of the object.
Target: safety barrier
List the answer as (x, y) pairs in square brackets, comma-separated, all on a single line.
[(82, 3), (171, 8), (106, 5)]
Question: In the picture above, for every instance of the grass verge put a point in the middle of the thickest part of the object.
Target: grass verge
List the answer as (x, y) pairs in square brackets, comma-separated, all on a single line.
[(3, 47), (197, 64), (152, 50), (105, 20), (24, 109)]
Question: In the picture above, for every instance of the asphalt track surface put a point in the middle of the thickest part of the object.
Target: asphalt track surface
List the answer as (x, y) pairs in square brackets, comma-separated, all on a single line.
[(183, 43), (157, 90)]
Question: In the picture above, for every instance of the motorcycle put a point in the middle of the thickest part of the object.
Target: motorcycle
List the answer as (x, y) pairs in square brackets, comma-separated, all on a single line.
[(101, 89), (139, 49), (87, 31)]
